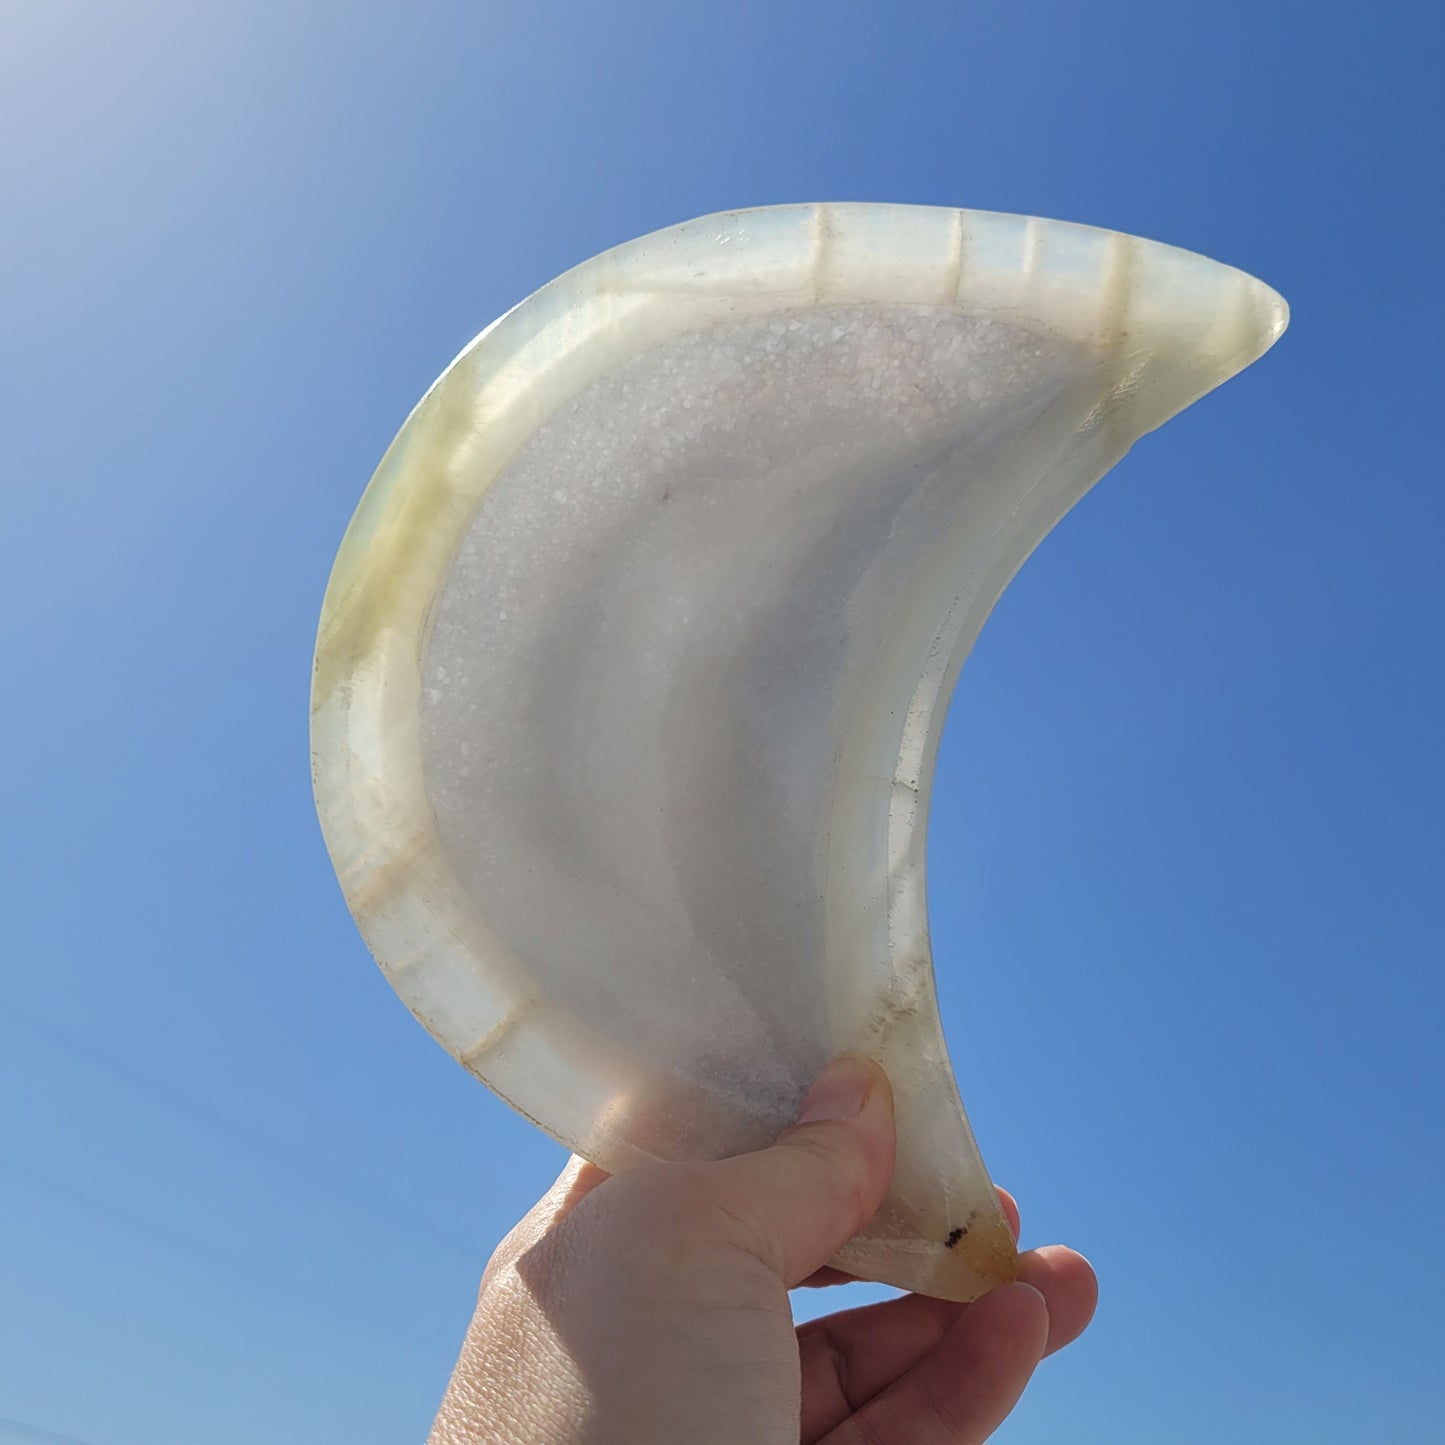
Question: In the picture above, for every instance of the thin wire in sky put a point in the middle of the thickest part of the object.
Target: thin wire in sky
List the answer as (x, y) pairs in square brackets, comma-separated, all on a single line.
[(39, 1435)]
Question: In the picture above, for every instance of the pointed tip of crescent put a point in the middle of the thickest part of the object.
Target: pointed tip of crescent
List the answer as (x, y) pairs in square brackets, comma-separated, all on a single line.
[(1271, 314), (982, 1258), (963, 1265)]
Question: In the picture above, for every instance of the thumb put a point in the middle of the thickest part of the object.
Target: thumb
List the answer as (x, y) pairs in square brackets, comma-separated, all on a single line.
[(797, 1203)]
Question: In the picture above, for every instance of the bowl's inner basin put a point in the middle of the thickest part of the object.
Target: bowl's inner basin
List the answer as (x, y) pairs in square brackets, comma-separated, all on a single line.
[(652, 643)]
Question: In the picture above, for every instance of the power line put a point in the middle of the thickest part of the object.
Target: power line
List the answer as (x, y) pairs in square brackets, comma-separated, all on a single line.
[(218, 1124), (247, 1270), (40, 1435)]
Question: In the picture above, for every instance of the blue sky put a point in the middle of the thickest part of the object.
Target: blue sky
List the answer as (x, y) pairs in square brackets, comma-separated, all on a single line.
[(1187, 839)]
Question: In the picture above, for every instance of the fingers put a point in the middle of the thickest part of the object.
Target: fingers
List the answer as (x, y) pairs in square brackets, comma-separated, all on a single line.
[(850, 1358), (793, 1206), (960, 1390), (1010, 1211), (1069, 1287), (1064, 1278), (875, 1360)]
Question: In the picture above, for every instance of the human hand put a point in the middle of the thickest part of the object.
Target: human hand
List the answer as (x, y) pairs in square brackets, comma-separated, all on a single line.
[(651, 1308)]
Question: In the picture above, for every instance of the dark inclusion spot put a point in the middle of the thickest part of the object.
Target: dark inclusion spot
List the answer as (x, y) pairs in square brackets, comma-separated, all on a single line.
[(954, 1236)]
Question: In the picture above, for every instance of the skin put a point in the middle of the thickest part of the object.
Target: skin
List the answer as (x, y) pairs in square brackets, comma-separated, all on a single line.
[(652, 1308)]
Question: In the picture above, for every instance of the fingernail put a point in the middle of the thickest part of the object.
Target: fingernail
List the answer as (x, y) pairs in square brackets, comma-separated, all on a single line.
[(840, 1093)]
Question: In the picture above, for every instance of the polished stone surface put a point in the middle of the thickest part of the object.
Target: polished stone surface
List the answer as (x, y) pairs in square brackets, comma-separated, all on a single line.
[(634, 660)]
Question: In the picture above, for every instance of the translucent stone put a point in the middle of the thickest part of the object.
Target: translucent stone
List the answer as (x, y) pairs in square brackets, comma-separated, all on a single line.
[(634, 660)]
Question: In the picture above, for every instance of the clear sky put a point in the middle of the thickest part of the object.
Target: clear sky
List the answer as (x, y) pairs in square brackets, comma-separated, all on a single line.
[(1187, 839)]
